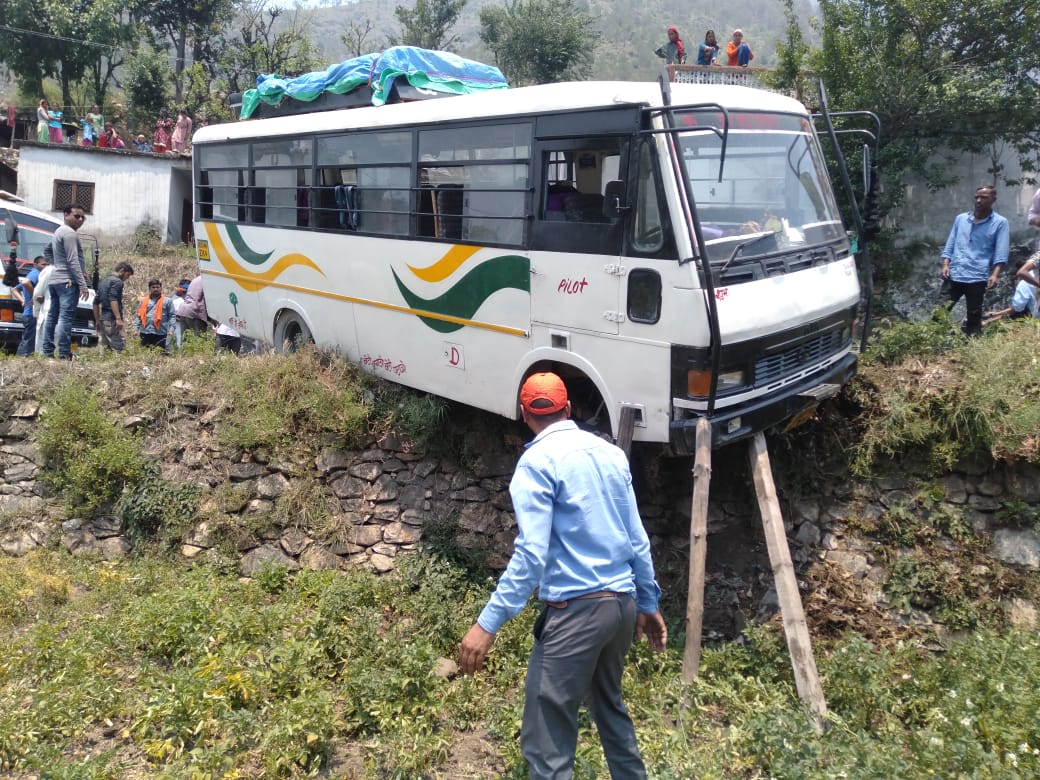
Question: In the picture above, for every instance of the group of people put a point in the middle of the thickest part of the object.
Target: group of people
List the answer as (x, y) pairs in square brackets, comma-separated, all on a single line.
[(52, 289), (976, 253), (737, 54), (168, 134)]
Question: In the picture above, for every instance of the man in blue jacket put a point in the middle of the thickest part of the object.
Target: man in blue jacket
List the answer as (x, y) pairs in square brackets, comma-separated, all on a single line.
[(975, 253), (582, 544)]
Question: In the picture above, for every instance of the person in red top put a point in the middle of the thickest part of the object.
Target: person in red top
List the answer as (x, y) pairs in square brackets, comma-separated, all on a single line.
[(154, 316), (738, 52)]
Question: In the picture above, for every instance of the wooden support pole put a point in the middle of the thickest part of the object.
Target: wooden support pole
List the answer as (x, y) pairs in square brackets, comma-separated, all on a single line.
[(698, 551), (806, 676), (626, 429)]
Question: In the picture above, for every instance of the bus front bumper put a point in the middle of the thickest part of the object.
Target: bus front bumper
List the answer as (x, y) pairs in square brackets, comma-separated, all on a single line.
[(795, 404)]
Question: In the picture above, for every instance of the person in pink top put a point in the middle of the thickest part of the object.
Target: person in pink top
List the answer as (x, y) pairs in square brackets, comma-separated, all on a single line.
[(181, 132)]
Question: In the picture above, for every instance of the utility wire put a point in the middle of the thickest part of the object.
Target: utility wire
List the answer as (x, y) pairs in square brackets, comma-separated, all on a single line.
[(39, 34)]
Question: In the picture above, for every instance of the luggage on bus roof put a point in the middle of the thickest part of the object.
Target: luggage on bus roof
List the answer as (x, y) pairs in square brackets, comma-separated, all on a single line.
[(399, 74)]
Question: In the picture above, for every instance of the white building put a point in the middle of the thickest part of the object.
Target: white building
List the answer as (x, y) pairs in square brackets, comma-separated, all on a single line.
[(120, 189)]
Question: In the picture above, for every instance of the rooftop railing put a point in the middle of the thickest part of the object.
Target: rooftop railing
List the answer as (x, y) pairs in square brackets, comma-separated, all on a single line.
[(805, 90)]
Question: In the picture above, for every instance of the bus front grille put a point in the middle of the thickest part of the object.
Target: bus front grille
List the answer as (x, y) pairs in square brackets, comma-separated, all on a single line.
[(808, 351)]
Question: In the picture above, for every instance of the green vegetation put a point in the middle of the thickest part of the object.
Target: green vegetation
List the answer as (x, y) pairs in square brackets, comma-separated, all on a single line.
[(89, 461), (925, 389), (150, 668)]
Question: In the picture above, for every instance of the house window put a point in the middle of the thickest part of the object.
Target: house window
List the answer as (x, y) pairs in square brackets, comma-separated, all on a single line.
[(73, 193)]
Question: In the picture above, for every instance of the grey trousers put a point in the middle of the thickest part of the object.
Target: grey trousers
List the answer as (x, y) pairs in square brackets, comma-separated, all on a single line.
[(579, 655)]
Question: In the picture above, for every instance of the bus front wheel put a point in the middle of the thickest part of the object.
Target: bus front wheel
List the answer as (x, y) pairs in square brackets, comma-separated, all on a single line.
[(291, 332)]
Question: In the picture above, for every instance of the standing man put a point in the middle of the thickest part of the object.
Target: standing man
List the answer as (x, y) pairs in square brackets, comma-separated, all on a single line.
[(582, 544), (154, 317), (27, 290), (192, 314), (67, 286), (975, 253), (108, 307)]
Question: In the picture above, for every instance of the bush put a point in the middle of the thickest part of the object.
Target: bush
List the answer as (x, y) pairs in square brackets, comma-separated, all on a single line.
[(89, 460)]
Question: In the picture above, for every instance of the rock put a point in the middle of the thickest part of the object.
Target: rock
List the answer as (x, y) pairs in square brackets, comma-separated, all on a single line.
[(955, 488), (805, 510), (808, 535), (243, 471), (470, 493), (381, 563), (18, 543), (294, 541), (1021, 613), (1020, 547), (424, 468), (202, 535), (272, 486), (105, 526), (393, 465), (21, 471), (317, 558), (366, 471), (383, 489), (1023, 481), (384, 549), (80, 543), (445, 668), (25, 409), (399, 533), (855, 564), (991, 485), (266, 555), (26, 451), (114, 547), (984, 503), (494, 464), (333, 460), (347, 486), (190, 550), (362, 536)]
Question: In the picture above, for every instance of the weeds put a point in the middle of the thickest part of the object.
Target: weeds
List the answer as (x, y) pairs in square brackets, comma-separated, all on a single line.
[(89, 460), (196, 673), (980, 396)]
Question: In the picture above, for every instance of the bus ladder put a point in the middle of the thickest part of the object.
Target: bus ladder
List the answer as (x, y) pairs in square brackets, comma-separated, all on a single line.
[(796, 630)]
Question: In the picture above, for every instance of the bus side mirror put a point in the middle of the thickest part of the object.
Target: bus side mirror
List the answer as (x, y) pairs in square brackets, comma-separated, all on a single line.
[(613, 197), (12, 230)]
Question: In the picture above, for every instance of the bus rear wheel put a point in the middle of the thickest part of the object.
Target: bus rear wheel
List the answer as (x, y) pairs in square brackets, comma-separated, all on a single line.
[(291, 332)]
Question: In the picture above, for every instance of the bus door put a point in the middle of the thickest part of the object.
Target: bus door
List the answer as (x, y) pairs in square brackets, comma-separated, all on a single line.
[(576, 270)]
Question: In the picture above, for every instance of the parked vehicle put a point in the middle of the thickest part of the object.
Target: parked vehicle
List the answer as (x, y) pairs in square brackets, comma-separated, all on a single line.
[(32, 233)]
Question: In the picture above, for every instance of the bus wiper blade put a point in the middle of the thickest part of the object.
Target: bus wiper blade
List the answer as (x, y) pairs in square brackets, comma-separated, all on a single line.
[(740, 248)]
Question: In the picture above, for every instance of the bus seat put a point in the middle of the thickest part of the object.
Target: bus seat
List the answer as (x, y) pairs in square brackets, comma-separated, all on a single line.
[(583, 207)]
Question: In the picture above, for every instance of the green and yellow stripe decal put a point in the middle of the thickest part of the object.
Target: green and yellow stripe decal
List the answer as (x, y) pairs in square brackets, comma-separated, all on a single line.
[(446, 313)]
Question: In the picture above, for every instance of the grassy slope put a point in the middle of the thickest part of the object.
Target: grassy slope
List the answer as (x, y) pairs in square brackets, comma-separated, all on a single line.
[(153, 668)]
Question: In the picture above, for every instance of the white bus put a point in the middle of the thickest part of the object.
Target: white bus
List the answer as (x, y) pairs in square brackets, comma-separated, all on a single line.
[(685, 260)]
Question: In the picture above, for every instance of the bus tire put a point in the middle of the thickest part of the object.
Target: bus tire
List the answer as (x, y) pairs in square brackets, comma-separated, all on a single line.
[(291, 332)]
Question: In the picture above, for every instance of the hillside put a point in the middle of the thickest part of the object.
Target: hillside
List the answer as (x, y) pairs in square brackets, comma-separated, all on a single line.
[(261, 567), (625, 48)]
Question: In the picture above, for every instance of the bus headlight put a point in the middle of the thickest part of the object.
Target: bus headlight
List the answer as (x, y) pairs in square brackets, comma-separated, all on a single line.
[(698, 383)]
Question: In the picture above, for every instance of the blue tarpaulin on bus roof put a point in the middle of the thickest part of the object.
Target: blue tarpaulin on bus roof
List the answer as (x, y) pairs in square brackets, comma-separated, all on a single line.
[(438, 71)]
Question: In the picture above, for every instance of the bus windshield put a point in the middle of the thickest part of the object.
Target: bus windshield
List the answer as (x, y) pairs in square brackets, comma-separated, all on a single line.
[(774, 189)]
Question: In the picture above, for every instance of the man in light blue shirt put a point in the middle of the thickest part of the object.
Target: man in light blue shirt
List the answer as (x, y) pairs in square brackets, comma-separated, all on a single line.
[(582, 544), (975, 253)]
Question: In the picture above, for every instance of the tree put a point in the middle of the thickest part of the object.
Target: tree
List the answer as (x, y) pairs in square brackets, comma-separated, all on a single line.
[(176, 25), (427, 23), (264, 42), (355, 35), (938, 74), (147, 85), (538, 41), (55, 39)]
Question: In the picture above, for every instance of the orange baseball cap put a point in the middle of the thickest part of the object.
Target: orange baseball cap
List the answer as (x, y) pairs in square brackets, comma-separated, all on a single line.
[(543, 393)]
